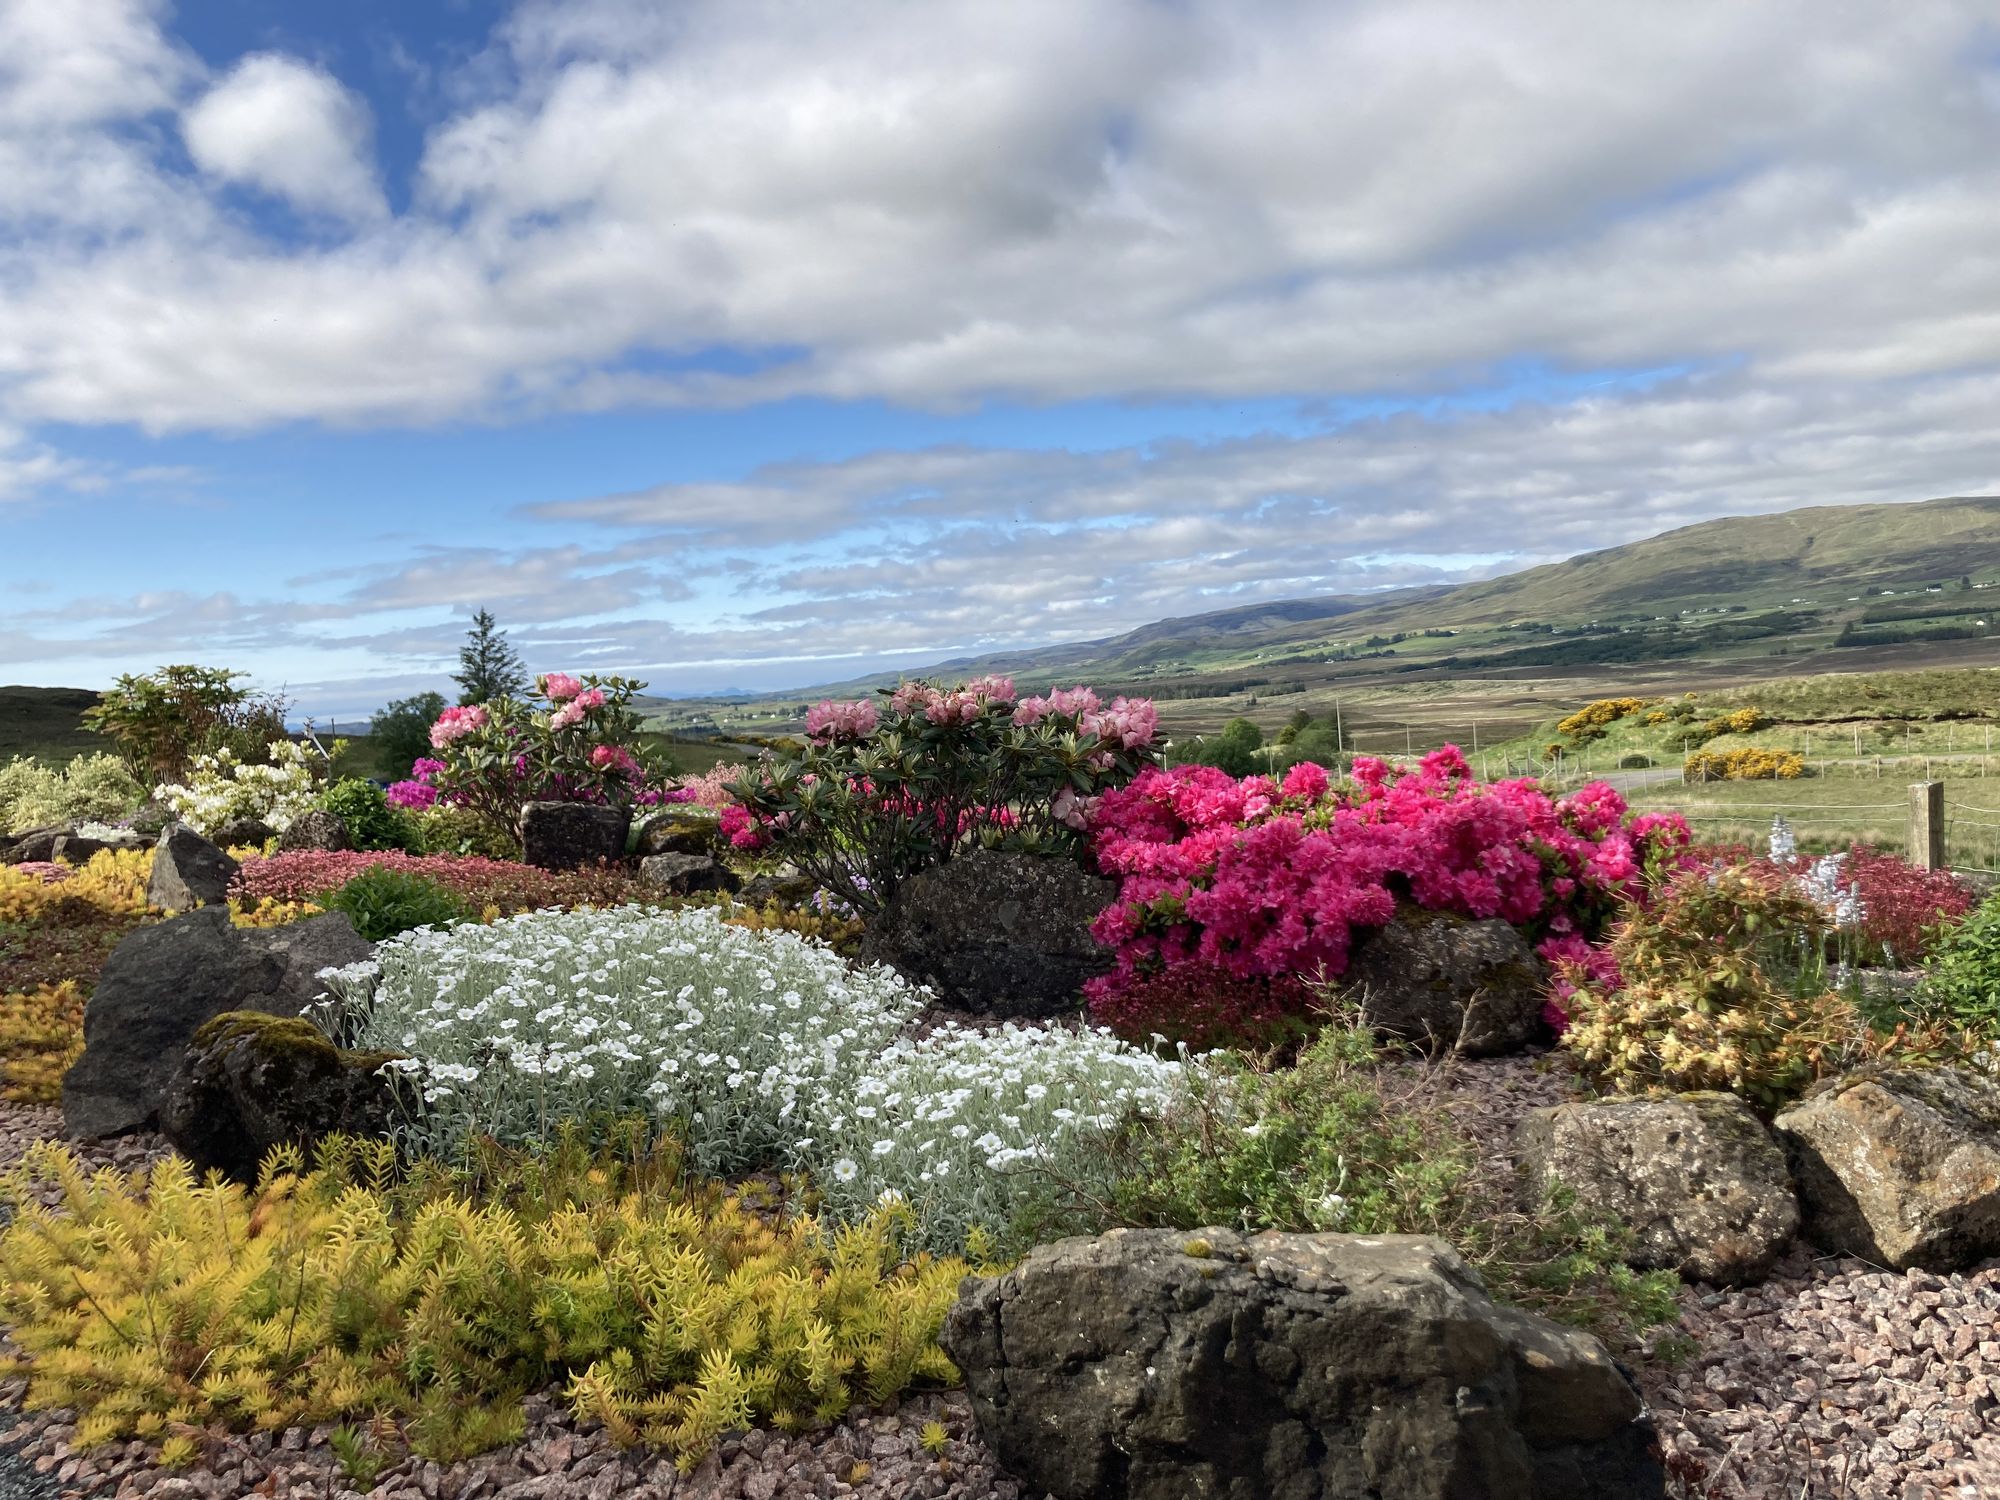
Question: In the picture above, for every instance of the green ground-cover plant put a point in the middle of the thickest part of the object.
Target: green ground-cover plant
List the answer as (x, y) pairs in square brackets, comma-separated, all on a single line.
[(1961, 983), (383, 903), (1346, 1140), (670, 1312)]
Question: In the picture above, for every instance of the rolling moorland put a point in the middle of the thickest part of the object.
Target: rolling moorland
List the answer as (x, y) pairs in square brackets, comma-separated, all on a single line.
[(1863, 634)]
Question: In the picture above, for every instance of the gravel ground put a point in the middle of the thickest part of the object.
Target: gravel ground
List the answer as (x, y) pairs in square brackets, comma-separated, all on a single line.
[(1832, 1381)]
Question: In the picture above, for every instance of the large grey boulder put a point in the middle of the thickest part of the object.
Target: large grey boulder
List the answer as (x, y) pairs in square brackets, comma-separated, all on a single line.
[(33, 845), (1159, 1365), (188, 871), (164, 982), (242, 833), (1007, 935), (1900, 1167), (1449, 982), (1695, 1177), (249, 1082), (317, 829), (566, 835), (687, 874)]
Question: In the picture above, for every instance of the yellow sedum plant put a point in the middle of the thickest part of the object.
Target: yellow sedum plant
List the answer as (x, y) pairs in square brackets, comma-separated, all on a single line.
[(113, 881), (41, 1035), (670, 1314)]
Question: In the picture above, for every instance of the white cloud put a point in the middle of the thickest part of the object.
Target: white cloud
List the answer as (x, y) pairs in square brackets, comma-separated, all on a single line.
[(286, 127), (1048, 200)]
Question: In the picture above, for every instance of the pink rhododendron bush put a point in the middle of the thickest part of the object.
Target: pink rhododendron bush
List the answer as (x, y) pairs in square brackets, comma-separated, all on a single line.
[(580, 744), (883, 790), (1234, 890)]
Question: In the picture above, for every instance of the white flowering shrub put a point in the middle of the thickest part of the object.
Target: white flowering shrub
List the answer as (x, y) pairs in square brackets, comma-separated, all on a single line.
[(962, 1123), (764, 1048), (33, 795), (220, 789), (511, 1028)]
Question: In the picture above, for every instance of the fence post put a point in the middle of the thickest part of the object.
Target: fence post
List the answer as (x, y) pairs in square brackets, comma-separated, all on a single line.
[(1927, 825)]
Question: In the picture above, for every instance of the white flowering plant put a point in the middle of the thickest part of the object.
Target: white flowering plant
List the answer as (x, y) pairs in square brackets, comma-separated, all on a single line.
[(762, 1049), (222, 788)]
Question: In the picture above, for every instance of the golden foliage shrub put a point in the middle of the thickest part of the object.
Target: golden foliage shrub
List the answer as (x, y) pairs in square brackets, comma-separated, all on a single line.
[(113, 881), (41, 1035), (1706, 1002), (346, 1292), (1750, 763)]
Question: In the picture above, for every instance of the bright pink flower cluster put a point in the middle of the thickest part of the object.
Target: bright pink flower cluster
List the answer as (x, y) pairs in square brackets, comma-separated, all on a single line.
[(741, 827), (455, 723), (1266, 880), (842, 721), (415, 792)]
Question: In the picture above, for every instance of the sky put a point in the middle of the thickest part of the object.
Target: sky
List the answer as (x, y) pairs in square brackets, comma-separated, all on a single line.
[(739, 344)]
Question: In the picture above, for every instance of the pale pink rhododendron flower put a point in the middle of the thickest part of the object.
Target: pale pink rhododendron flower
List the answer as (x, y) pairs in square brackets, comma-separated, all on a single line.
[(560, 687), (842, 721), (456, 723)]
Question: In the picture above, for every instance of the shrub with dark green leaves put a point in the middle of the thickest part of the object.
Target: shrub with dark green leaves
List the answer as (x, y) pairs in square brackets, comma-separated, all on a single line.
[(371, 822), (382, 902), (1961, 981)]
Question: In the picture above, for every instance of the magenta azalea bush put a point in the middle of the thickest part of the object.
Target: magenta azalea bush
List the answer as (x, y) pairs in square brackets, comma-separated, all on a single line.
[(1263, 881), (579, 745), (883, 790)]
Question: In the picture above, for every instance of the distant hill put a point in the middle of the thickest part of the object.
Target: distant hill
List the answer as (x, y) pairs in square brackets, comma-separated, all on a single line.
[(46, 723), (1825, 588)]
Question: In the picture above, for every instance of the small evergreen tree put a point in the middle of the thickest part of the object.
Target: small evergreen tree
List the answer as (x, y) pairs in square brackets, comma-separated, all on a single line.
[(488, 665)]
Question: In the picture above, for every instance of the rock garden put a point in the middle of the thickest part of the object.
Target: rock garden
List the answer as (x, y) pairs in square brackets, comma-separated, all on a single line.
[(958, 1102)]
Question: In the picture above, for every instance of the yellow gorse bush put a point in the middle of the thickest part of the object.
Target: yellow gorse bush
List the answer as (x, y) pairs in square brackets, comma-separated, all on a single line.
[(114, 881), (41, 1035), (1594, 716), (1748, 764), (670, 1315)]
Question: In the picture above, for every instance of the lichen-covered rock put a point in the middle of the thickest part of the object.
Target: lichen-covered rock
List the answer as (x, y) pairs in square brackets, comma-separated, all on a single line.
[(685, 828), (249, 1082), (317, 829), (1157, 1365), (1900, 1167), (687, 874), (1004, 934), (1695, 1177), (188, 871), (566, 835), (787, 888), (164, 982), (1444, 981)]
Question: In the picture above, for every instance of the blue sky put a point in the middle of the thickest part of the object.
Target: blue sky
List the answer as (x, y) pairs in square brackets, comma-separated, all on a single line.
[(744, 343)]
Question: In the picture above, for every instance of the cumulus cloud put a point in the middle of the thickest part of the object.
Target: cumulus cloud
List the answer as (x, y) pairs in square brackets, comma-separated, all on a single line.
[(288, 128), (1054, 201)]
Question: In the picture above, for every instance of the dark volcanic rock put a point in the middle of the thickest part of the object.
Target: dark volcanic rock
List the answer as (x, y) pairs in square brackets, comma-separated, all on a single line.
[(249, 1082), (1158, 1364), (687, 874), (164, 982), (1444, 981), (1007, 935), (565, 835), (188, 871), (243, 833), (319, 830), (33, 845)]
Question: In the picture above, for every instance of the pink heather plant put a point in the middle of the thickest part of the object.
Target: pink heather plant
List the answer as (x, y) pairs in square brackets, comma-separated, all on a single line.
[(880, 793), (1266, 880)]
